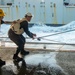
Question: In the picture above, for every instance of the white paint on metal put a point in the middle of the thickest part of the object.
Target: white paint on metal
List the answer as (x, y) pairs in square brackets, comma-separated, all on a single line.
[(44, 11)]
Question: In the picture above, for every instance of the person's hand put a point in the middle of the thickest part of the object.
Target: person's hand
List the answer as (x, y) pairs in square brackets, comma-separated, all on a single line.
[(34, 36)]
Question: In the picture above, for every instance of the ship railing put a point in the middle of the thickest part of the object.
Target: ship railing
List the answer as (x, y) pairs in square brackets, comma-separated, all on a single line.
[(48, 46)]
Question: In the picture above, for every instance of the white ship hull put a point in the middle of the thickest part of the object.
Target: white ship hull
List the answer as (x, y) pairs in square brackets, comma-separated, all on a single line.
[(44, 11)]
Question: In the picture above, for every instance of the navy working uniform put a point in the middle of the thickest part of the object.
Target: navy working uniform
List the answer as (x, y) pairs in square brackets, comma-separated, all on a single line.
[(15, 34), (2, 22), (1, 16)]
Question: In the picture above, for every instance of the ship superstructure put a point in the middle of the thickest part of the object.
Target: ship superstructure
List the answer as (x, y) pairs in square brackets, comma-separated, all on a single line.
[(44, 11)]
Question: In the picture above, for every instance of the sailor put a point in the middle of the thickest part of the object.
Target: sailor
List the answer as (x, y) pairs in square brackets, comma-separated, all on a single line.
[(2, 14), (16, 31)]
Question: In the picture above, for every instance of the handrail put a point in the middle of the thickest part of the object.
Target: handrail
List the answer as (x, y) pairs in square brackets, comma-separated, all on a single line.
[(43, 43), (39, 42)]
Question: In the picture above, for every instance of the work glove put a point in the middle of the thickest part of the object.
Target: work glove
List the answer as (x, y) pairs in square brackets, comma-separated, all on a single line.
[(34, 36)]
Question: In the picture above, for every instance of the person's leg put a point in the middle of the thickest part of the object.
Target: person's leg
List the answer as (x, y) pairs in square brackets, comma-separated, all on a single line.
[(15, 38), (19, 40), (23, 41)]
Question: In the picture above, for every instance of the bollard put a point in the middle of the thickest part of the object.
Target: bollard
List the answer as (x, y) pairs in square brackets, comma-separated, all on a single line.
[(44, 47)]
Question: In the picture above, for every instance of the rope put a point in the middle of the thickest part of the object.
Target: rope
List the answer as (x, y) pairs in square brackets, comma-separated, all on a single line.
[(62, 43), (56, 33), (42, 37), (49, 34)]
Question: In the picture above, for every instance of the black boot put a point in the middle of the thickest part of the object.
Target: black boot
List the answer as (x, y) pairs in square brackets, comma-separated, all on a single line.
[(17, 58), (23, 52)]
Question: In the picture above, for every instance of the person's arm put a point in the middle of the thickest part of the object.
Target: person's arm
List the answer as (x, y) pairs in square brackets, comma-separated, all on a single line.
[(24, 25), (8, 22)]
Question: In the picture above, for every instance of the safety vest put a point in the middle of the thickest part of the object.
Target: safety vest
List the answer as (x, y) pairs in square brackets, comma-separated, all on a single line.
[(16, 27)]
